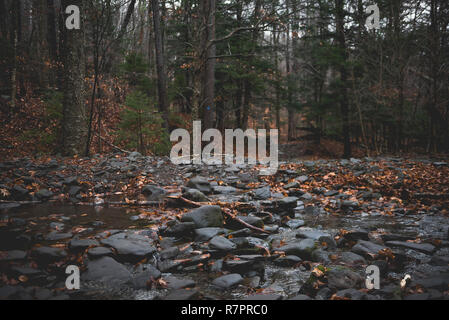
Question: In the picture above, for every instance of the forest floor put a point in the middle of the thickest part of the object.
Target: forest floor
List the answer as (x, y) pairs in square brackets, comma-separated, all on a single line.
[(142, 228)]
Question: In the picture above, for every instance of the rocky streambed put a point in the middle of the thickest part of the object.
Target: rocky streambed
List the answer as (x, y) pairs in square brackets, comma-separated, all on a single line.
[(142, 228)]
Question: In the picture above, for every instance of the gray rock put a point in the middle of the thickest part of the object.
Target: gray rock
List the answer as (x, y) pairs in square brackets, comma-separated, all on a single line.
[(422, 247), (221, 243), (48, 254), (13, 255), (195, 195), (98, 252), (205, 217), (182, 294), (343, 278), (56, 236), (302, 249), (205, 234), (262, 193), (142, 279), (367, 249), (44, 194), (130, 245), (311, 233), (169, 253), (287, 261), (80, 245), (228, 281), (107, 271), (351, 258), (154, 193), (178, 283), (295, 223), (201, 184), (181, 229), (224, 190)]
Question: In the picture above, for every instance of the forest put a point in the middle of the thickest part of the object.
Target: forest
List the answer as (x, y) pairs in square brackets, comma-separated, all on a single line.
[(137, 69), (350, 98)]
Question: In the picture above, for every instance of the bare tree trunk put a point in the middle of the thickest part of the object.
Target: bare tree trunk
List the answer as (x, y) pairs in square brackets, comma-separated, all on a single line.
[(208, 85), (340, 19), (74, 121), (160, 64)]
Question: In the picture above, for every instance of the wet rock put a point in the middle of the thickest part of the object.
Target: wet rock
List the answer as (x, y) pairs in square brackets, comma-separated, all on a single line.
[(301, 297), (302, 249), (144, 278), (353, 294), (294, 223), (252, 220), (224, 190), (205, 234), (239, 266), (154, 193), (13, 255), (48, 254), (181, 229), (168, 265), (44, 194), (262, 193), (130, 245), (228, 281), (321, 256), (311, 233), (107, 271), (81, 245), (179, 283), (56, 236), (367, 249), (221, 243), (292, 185), (201, 184), (20, 193), (287, 261), (263, 297), (343, 278), (421, 247), (195, 195), (98, 252), (355, 235), (205, 217), (169, 253), (327, 241), (351, 258), (182, 294)]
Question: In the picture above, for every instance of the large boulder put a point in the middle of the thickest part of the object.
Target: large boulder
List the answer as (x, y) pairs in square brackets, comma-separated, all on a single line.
[(205, 217)]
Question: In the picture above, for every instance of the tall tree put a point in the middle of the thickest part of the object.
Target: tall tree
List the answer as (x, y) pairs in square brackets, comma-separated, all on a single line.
[(74, 124)]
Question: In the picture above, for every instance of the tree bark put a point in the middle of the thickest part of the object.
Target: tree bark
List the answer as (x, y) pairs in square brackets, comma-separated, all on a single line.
[(160, 64), (74, 122)]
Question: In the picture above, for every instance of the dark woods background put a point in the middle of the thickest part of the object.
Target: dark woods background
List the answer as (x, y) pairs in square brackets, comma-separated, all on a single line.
[(138, 69)]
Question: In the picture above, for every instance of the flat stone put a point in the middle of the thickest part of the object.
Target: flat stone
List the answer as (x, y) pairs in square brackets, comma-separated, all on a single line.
[(221, 243), (142, 279), (228, 281), (262, 193), (130, 245), (351, 258), (154, 193), (287, 261), (310, 233), (205, 217), (205, 234), (82, 244), (422, 247), (107, 271), (302, 249), (195, 195), (367, 249), (343, 278), (179, 283), (48, 254), (12, 255), (98, 252), (183, 294), (201, 184)]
